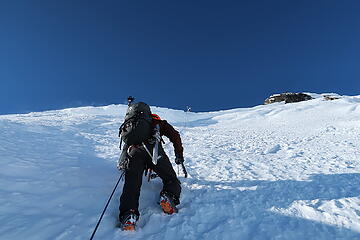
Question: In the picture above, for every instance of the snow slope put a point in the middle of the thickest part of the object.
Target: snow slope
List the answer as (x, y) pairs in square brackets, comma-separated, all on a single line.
[(280, 171)]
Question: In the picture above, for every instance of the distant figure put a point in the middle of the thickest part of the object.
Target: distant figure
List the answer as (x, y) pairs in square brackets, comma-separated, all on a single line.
[(130, 100), (141, 132)]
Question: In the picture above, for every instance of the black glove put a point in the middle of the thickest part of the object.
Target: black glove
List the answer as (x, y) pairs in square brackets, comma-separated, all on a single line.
[(179, 160)]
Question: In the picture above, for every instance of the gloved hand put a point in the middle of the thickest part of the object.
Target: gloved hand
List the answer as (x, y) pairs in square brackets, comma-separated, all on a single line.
[(123, 162), (119, 166), (179, 160)]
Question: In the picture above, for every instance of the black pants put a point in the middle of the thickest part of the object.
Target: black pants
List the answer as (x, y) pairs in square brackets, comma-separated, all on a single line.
[(139, 160)]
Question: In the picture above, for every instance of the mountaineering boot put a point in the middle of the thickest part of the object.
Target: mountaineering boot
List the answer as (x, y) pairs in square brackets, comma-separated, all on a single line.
[(128, 220), (167, 203)]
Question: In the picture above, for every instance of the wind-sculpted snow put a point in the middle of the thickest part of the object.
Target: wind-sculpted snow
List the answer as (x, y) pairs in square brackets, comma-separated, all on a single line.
[(280, 171)]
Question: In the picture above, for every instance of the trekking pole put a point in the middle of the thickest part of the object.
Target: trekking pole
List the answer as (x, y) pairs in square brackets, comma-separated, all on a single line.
[(107, 204), (188, 109)]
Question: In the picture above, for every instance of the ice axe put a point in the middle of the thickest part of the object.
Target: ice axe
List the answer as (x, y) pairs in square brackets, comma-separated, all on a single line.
[(184, 169)]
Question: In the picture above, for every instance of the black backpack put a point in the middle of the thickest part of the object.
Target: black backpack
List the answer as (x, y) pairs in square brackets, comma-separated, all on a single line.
[(137, 126)]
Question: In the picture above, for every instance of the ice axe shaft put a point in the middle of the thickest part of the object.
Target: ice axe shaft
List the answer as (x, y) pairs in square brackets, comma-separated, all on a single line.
[(184, 169), (156, 146)]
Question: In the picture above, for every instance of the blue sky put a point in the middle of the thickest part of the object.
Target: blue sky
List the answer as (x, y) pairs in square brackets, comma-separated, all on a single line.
[(210, 55)]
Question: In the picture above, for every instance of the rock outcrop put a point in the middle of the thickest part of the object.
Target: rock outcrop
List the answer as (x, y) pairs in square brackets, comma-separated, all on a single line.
[(330, 97), (288, 98)]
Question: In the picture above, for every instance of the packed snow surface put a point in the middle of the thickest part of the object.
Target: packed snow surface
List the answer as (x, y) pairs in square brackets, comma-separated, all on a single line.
[(280, 171)]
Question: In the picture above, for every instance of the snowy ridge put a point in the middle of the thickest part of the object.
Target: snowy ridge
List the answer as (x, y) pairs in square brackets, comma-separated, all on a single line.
[(280, 171)]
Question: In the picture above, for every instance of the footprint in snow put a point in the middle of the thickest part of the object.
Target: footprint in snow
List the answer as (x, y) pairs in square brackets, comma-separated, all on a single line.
[(273, 149)]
